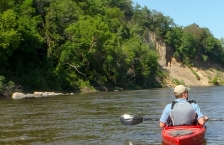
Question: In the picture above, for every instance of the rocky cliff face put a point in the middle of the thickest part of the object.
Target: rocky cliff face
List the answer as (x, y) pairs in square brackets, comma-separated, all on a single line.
[(178, 71), (165, 51)]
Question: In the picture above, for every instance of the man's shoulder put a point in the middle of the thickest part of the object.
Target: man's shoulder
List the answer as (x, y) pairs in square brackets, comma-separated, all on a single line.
[(194, 104), (192, 101), (168, 106)]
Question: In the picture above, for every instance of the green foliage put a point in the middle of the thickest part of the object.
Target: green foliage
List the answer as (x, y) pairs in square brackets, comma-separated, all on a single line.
[(186, 60), (222, 42), (160, 23), (206, 44), (188, 45), (2, 78), (173, 36), (221, 82), (177, 82), (195, 31), (197, 76), (209, 44), (91, 42), (204, 58), (7, 88), (215, 80), (59, 16), (62, 45), (141, 62), (9, 35), (176, 54)]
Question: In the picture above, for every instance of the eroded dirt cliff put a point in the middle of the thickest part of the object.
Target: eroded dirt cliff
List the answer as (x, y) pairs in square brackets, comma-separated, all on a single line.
[(177, 71)]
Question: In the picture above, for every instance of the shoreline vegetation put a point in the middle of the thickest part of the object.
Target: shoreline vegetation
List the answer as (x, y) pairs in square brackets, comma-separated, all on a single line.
[(75, 46)]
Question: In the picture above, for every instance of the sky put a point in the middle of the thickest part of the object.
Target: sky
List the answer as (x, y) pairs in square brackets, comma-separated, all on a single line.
[(205, 13)]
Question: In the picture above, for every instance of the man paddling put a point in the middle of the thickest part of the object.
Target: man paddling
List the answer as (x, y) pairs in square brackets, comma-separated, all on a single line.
[(181, 111)]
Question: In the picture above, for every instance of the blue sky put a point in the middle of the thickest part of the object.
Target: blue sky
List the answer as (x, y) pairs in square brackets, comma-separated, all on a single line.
[(205, 13)]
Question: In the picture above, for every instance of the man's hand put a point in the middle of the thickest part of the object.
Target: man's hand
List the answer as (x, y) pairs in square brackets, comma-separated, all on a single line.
[(206, 118), (202, 120)]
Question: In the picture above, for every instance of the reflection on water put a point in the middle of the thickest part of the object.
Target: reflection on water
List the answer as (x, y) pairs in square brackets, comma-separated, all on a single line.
[(91, 119)]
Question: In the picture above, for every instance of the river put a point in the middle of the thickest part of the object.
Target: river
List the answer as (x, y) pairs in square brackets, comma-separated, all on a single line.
[(93, 119)]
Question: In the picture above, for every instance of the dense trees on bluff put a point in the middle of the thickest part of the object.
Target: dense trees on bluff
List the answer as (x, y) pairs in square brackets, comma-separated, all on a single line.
[(64, 45)]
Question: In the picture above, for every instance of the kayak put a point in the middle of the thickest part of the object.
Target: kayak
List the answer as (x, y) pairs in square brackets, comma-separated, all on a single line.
[(172, 135), (183, 135)]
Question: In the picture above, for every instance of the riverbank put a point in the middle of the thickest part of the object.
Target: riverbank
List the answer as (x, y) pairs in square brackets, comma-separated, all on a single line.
[(206, 73), (177, 73)]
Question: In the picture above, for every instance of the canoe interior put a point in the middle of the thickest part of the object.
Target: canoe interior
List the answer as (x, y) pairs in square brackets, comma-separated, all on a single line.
[(184, 135)]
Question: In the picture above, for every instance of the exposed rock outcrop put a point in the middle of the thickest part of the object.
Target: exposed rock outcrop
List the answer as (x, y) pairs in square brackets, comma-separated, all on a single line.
[(18, 95), (177, 71), (165, 51)]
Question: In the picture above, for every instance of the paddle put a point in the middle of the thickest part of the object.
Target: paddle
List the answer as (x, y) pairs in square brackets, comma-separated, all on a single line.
[(134, 120), (215, 119)]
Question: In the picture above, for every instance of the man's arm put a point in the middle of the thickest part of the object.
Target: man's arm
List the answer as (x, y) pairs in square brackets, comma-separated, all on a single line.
[(161, 124), (165, 115), (202, 120)]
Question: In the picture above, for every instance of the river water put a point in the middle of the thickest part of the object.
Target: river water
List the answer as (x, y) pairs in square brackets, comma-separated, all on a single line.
[(93, 119)]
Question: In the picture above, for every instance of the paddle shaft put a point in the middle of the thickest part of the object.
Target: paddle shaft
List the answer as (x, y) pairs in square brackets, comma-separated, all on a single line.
[(151, 119), (215, 119), (134, 120), (209, 119)]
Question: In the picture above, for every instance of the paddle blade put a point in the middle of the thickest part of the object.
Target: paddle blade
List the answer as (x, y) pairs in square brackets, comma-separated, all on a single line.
[(131, 119)]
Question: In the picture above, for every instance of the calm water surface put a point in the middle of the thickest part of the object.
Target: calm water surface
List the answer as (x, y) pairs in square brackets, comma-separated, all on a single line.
[(93, 119)]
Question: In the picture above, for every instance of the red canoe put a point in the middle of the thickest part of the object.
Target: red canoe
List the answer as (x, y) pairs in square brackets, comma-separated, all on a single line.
[(183, 135)]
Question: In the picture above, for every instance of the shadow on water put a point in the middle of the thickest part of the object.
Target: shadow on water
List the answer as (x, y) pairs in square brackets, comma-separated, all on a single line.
[(90, 119)]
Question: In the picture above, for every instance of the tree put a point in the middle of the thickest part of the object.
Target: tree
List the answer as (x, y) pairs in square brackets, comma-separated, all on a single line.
[(195, 30), (9, 36), (141, 65), (58, 17), (91, 48), (173, 37), (160, 23), (188, 47)]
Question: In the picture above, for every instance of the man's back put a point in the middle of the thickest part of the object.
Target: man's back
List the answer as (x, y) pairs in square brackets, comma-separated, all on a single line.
[(182, 114)]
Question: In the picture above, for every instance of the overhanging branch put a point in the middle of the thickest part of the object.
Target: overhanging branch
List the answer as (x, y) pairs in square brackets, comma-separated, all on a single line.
[(76, 69)]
